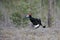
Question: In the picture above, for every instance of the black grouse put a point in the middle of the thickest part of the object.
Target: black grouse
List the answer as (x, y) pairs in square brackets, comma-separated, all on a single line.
[(35, 21)]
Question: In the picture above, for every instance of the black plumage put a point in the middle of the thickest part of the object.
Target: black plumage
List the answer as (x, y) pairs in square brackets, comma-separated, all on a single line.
[(35, 21)]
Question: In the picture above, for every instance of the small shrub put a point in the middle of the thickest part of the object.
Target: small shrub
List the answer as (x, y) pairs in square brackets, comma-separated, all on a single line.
[(16, 18)]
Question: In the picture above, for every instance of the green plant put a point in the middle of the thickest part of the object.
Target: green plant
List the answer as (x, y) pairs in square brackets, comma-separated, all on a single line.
[(16, 18)]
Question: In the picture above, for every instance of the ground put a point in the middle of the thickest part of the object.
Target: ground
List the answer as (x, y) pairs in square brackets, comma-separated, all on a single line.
[(12, 33)]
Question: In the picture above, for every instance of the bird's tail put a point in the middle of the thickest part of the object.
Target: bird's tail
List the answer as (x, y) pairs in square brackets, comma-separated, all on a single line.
[(44, 26)]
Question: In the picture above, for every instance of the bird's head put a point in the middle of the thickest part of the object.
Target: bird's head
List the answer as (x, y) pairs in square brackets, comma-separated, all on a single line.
[(28, 15)]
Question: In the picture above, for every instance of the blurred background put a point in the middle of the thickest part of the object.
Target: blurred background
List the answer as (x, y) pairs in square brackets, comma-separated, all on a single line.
[(14, 25)]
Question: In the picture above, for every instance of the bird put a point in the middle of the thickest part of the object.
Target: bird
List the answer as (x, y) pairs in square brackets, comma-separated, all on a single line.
[(35, 21)]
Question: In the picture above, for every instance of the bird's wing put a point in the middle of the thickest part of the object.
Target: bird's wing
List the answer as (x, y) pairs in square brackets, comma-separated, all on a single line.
[(35, 26)]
